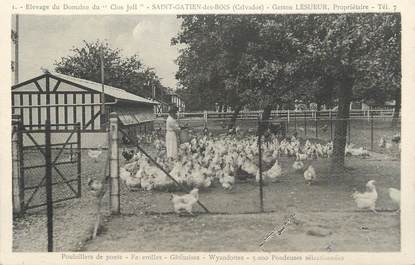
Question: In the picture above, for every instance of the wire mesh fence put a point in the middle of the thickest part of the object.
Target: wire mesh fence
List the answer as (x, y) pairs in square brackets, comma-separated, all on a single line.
[(224, 164), (54, 184)]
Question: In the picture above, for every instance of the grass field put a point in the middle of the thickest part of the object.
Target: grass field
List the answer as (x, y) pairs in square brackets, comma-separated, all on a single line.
[(147, 222)]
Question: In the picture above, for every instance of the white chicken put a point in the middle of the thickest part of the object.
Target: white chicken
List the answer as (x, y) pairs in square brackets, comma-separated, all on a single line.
[(274, 173), (95, 186), (198, 177), (301, 156), (298, 165), (388, 145), (185, 202), (310, 175), (124, 174), (227, 182), (249, 167), (132, 181), (382, 142), (94, 154), (366, 200), (130, 167), (395, 195)]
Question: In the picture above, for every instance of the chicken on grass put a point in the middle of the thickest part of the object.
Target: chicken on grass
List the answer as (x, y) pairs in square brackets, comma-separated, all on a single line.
[(184, 204), (273, 174), (96, 187), (298, 165), (95, 154), (367, 200), (310, 175), (395, 196), (128, 155)]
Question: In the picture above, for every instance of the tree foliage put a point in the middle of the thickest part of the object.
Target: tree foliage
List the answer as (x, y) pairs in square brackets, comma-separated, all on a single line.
[(127, 73), (262, 61)]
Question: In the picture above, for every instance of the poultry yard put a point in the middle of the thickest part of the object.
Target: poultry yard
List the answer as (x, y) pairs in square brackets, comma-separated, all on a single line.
[(326, 217)]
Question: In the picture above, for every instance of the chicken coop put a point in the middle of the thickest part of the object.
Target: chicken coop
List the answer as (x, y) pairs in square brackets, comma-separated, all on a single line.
[(65, 101)]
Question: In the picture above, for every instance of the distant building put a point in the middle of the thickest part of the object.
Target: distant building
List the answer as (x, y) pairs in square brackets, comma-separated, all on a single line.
[(390, 104), (356, 105), (178, 101), (161, 107)]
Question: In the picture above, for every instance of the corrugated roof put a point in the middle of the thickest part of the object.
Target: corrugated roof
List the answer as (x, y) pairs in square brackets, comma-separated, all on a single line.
[(117, 93)]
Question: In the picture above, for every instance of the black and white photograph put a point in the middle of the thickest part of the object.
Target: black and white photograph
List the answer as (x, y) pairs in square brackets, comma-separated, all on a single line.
[(226, 134)]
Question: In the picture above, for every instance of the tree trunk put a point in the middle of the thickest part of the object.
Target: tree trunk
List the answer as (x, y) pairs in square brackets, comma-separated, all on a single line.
[(340, 131), (265, 117), (234, 116), (395, 118)]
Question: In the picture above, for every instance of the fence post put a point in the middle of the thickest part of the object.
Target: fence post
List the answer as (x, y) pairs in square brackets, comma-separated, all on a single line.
[(16, 179), (331, 126), (305, 123), (371, 131), (316, 121), (295, 121), (114, 167), (205, 117), (349, 129), (48, 174), (78, 157), (261, 195)]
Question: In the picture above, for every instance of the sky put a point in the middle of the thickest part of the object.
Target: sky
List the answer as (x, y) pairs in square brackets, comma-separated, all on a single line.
[(45, 39)]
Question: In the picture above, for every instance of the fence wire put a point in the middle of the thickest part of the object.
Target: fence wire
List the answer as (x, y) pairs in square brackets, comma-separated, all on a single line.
[(308, 140)]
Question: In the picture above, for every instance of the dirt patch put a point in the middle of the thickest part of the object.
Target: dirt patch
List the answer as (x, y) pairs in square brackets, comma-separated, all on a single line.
[(349, 232)]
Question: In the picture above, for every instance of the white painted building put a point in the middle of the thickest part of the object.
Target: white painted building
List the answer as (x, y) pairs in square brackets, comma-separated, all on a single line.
[(66, 100)]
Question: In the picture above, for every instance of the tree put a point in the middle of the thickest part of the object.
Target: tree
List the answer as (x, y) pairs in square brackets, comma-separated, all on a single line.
[(127, 73), (267, 60), (351, 49), (209, 65), (242, 60)]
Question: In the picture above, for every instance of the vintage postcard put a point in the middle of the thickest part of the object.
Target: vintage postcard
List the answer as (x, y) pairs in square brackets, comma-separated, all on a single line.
[(207, 132)]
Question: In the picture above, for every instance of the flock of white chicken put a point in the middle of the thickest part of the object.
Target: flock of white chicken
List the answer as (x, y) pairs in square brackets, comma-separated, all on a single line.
[(207, 160), (204, 161)]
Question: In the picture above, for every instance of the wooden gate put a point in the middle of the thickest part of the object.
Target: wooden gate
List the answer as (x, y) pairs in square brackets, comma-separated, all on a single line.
[(49, 159)]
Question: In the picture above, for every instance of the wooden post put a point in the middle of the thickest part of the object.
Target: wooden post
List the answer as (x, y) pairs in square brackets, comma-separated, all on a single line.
[(349, 129), (295, 121), (78, 157), (16, 53), (49, 198), (114, 166), (205, 117), (103, 111), (16, 176), (371, 131), (261, 192), (305, 123), (331, 126)]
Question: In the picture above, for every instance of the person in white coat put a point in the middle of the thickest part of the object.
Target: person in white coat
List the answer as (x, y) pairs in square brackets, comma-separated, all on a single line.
[(172, 128)]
